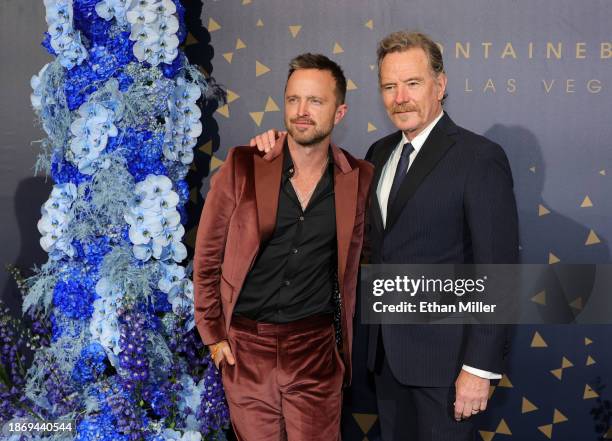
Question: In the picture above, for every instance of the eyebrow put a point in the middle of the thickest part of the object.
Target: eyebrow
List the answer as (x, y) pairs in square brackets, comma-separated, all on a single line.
[(309, 97), (386, 83)]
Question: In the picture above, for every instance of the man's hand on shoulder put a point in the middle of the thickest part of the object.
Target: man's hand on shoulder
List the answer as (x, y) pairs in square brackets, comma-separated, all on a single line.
[(471, 395), (266, 141)]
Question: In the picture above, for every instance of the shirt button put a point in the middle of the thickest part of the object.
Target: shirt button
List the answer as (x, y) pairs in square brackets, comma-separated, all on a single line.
[(301, 218), (294, 251), (287, 283)]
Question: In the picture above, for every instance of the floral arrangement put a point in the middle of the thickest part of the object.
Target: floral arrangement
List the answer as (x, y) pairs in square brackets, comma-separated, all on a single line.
[(115, 350)]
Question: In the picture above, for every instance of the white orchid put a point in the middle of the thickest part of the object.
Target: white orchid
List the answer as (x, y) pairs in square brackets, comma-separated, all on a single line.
[(153, 27), (155, 228), (91, 132), (109, 9), (104, 325), (65, 40), (183, 124), (56, 216)]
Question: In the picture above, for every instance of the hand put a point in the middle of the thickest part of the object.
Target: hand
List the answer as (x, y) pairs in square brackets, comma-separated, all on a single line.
[(471, 395), (223, 352), (265, 142)]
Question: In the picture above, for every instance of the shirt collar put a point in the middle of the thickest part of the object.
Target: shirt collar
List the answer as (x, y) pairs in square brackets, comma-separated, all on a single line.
[(420, 139), (288, 168)]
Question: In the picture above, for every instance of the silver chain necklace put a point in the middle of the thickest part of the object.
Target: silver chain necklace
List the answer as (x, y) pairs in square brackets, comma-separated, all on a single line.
[(304, 199)]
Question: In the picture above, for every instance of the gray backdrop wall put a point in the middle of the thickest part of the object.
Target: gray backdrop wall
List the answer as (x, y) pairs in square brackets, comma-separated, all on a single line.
[(534, 76)]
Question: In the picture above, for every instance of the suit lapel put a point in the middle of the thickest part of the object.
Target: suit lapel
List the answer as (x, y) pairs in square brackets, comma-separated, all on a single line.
[(379, 160), (346, 187), (435, 147), (267, 188)]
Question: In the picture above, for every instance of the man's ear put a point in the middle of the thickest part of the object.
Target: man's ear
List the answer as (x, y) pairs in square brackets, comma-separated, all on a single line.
[(340, 113), (441, 80)]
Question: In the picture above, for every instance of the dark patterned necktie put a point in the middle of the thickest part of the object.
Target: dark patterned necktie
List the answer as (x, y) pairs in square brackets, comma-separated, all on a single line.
[(400, 172)]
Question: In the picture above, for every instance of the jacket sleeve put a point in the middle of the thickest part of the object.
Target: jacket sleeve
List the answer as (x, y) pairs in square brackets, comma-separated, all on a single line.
[(209, 251), (492, 218)]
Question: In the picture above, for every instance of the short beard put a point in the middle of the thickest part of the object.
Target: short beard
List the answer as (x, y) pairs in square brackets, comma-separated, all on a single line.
[(308, 140)]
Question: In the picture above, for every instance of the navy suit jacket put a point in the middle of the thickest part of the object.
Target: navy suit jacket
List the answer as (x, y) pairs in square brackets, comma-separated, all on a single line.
[(456, 205)]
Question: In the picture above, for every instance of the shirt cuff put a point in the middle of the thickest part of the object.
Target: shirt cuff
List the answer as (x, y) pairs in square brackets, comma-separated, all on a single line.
[(480, 373)]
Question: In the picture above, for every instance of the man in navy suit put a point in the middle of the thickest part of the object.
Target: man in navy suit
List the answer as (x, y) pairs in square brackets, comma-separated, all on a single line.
[(440, 194)]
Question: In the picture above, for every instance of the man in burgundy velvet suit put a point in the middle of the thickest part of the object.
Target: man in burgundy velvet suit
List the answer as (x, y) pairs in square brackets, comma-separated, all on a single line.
[(277, 240)]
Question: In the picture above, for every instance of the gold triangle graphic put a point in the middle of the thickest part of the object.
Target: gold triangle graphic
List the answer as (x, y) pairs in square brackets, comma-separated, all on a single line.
[(491, 390), (337, 48), (365, 421), (231, 96), (542, 210), (609, 434), (558, 417), (505, 382), (539, 298), (577, 304), (240, 44), (190, 237), (228, 56), (537, 341), (271, 106), (206, 148), (602, 172), (190, 39), (295, 29), (532, 169), (260, 69), (247, 2), (590, 361), (350, 85), (503, 428), (259, 23), (371, 127), (213, 25), (553, 259), (257, 117), (565, 363), (546, 430), (486, 435), (586, 202), (587, 341), (557, 373), (589, 393), (224, 110), (369, 24), (592, 239), (215, 163), (527, 406), (193, 195)]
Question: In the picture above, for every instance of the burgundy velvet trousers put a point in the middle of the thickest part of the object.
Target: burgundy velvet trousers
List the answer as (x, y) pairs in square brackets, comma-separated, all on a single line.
[(287, 380)]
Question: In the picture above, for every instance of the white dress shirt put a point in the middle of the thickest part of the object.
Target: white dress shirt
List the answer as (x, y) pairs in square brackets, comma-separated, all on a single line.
[(384, 187)]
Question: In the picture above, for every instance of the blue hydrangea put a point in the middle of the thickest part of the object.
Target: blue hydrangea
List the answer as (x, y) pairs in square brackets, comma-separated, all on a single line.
[(74, 296), (90, 365)]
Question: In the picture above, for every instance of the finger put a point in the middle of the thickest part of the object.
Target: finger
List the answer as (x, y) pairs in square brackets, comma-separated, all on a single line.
[(483, 405), (458, 409), (229, 357), (271, 140), (252, 142), (261, 143), (217, 360), (467, 409)]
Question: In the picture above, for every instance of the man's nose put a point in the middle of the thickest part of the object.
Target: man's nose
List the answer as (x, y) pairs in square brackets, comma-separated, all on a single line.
[(401, 95), (303, 108)]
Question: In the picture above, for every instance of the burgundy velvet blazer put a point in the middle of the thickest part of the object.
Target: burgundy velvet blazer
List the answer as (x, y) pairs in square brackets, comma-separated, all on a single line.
[(240, 214)]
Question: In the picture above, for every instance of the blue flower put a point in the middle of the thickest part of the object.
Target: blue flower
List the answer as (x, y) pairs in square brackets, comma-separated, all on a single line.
[(90, 365)]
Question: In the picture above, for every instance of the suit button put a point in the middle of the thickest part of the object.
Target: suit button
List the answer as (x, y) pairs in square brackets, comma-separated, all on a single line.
[(294, 251), (301, 218), (286, 283)]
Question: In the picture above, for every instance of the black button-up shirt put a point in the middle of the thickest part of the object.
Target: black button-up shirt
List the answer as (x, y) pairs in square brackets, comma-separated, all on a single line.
[(292, 277)]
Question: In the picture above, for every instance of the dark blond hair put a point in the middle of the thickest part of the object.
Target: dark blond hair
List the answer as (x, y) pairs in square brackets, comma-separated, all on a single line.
[(321, 62)]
